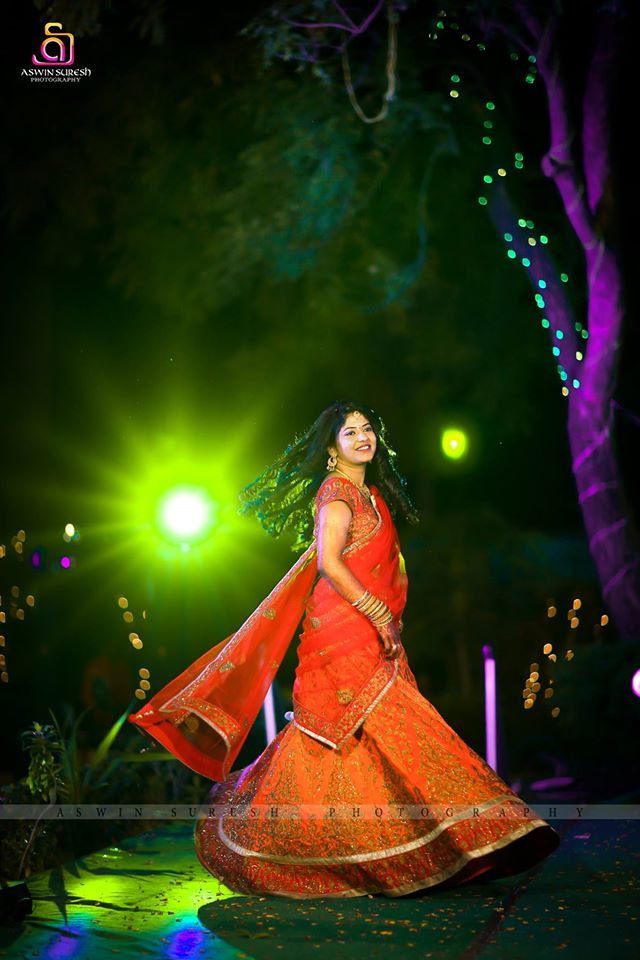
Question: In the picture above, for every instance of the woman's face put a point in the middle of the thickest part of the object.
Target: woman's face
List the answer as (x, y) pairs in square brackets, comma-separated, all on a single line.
[(356, 441)]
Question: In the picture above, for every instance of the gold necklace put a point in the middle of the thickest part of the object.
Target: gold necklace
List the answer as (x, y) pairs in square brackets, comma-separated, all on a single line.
[(361, 486)]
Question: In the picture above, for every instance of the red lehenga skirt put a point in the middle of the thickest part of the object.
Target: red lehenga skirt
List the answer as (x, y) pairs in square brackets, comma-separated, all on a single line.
[(305, 820)]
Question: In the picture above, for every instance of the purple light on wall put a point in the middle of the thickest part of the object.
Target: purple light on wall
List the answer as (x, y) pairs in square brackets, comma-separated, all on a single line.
[(490, 716), (635, 683), (65, 562), (36, 559)]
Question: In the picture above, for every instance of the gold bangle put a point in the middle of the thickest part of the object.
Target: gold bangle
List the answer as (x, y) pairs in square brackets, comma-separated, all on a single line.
[(383, 616), (375, 609), (370, 604), (365, 596)]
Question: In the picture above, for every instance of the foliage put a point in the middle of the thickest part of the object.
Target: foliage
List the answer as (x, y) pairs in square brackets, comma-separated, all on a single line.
[(57, 774), (86, 17)]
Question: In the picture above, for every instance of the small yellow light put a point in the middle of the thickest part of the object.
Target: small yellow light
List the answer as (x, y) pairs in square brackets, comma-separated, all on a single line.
[(534, 675), (502, 172), (2, 660), (31, 600), (3, 616), (18, 547), (3, 550), (529, 702), (604, 620), (144, 614), (4, 676), (15, 591), (533, 666), (140, 694), (555, 711), (137, 644), (22, 535), (548, 647), (535, 687), (127, 616), (123, 602), (20, 613), (548, 692), (69, 530), (133, 636), (145, 685), (569, 655), (565, 391), (578, 355), (574, 622), (551, 611), (577, 603), (553, 659), (454, 94), (531, 241), (143, 672)]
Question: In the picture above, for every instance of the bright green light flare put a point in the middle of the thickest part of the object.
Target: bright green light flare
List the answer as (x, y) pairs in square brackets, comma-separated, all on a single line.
[(186, 514), (454, 443)]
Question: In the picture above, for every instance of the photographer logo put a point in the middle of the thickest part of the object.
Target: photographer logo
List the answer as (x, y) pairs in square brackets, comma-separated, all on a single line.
[(55, 59)]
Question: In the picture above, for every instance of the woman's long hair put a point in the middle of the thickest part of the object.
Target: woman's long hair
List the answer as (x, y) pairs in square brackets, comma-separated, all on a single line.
[(282, 497)]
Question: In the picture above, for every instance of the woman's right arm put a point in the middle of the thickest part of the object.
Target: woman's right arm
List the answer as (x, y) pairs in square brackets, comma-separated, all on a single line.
[(334, 519), (333, 527)]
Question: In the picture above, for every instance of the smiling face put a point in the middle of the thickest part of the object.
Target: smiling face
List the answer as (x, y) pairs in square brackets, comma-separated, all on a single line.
[(356, 441)]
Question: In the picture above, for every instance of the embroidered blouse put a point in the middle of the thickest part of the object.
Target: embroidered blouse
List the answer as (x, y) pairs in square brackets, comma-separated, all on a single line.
[(364, 517)]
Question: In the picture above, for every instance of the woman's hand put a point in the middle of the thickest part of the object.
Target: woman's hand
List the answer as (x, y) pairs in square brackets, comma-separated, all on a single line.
[(390, 636)]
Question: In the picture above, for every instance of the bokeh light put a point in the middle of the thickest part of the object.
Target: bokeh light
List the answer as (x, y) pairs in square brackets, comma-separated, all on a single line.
[(454, 443)]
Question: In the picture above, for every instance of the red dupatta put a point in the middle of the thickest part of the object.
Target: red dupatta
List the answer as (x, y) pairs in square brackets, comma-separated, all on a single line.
[(204, 715)]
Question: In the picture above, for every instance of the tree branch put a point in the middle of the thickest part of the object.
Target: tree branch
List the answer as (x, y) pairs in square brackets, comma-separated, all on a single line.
[(354, 29), (595, 136), (558, 163)]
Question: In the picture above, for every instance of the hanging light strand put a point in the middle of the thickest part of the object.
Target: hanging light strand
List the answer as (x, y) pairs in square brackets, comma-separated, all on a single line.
[(392, 57)]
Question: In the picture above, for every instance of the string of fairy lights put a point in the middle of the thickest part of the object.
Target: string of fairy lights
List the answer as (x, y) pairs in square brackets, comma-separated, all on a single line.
[(517, 162), (535, 681), (137, 643)]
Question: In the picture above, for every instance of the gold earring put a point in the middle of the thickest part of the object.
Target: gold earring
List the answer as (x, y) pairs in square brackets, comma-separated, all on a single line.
[(332, 461)]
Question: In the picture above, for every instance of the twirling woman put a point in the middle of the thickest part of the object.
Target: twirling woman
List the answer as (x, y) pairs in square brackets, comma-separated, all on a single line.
[(366, 789)]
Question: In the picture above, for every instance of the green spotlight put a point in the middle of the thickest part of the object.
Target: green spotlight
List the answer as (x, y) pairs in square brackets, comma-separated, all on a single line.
[(454, 443), (185, 514)]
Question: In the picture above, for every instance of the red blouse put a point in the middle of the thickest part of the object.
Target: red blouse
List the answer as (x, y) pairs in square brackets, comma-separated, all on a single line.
[(365, 516)]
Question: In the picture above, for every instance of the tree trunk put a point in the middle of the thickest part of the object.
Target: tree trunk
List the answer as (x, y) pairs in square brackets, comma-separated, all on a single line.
[(613, 538), (587, 356)]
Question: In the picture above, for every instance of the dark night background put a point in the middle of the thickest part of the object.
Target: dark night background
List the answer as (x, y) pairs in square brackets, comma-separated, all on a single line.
[(182, 281)]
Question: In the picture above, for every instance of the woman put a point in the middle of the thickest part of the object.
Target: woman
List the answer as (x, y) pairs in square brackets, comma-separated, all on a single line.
[(367, 789)]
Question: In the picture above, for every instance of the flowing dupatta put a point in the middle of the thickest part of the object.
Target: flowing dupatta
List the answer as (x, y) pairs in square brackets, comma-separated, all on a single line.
[(204, 715)]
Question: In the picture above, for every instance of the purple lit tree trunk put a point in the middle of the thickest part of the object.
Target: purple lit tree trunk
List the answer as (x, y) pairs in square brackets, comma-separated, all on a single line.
[(613, 539)]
